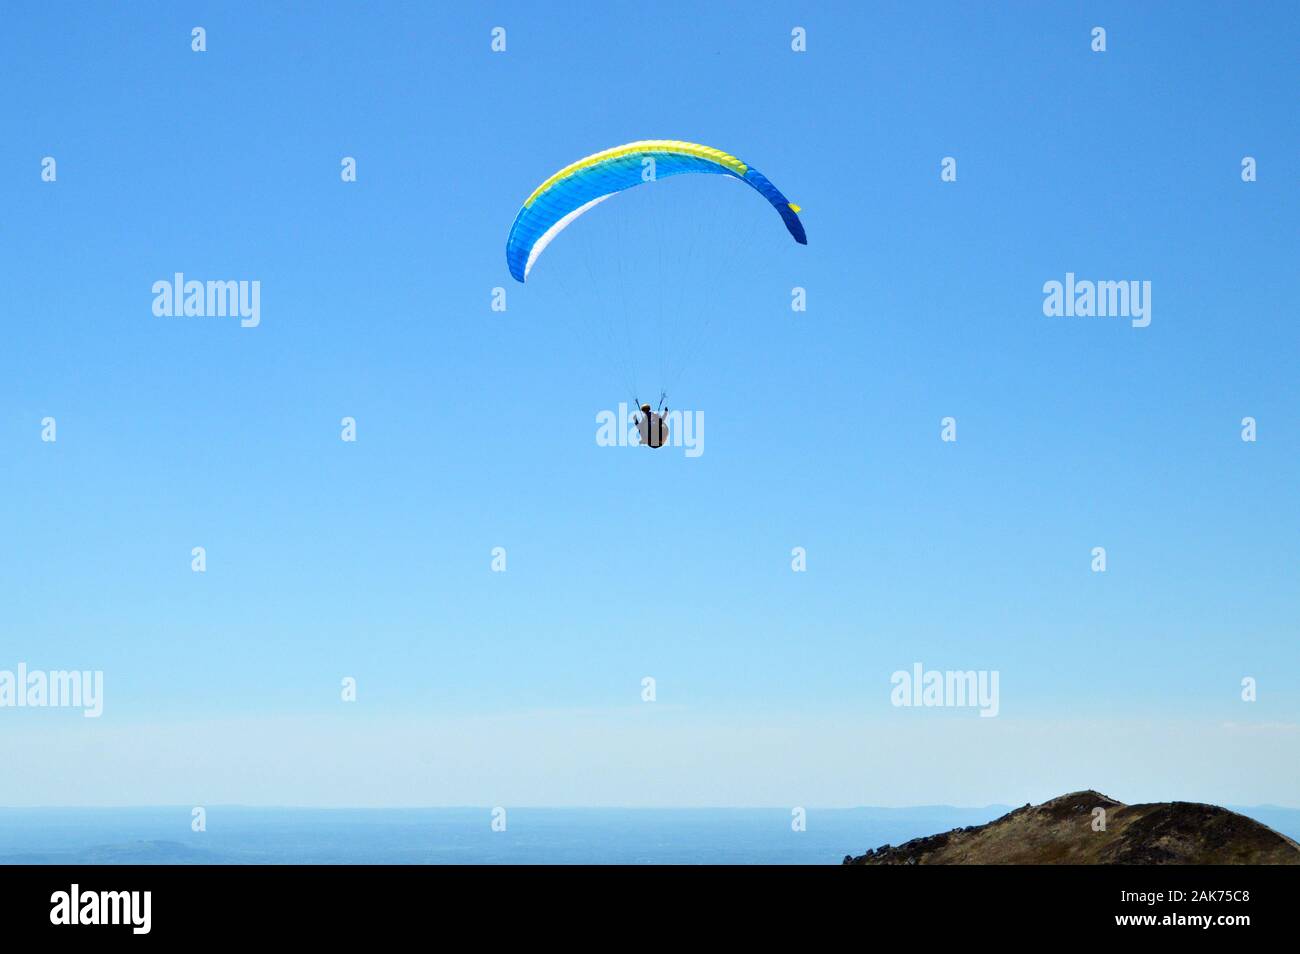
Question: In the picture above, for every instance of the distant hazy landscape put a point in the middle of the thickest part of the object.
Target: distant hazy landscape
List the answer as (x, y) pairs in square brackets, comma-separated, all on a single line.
[(464, 836)]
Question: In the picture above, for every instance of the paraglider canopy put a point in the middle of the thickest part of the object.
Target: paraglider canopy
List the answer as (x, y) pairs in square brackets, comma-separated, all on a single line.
[(579, 186)]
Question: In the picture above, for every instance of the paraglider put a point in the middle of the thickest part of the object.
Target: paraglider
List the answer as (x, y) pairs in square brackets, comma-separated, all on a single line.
[(580, 186), (652, 426)]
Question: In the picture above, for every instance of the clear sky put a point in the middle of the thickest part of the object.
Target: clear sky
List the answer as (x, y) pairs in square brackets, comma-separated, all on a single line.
[(476, 429)]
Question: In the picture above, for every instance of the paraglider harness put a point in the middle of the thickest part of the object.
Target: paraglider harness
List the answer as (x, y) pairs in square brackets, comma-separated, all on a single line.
[(656, 424)]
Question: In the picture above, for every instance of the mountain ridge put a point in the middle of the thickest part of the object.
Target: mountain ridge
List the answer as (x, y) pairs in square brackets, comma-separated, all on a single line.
[(1070, 829)]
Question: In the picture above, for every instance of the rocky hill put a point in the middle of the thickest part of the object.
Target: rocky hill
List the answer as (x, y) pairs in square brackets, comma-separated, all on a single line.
[(1061, 832)]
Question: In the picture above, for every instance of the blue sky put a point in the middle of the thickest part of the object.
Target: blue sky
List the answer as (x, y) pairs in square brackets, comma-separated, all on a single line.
[(476, 429)]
